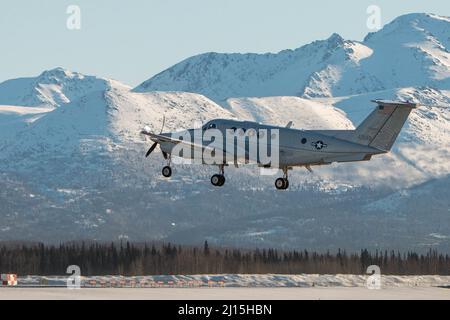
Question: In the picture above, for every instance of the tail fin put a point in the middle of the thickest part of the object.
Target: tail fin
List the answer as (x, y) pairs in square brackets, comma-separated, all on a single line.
[(382, 126)]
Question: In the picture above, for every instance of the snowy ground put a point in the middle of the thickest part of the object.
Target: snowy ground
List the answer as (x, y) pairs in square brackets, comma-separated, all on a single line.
[(240, 281), (231, 286), (338, 293)]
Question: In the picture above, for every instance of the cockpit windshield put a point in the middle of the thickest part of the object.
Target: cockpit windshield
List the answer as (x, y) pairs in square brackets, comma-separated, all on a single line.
[(209, 125)]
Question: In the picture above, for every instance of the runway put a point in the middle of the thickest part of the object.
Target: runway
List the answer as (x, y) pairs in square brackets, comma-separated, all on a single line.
[(332, 293)]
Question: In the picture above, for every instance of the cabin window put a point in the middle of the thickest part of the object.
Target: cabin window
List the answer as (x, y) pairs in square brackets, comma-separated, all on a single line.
[(241, 131), (251, 132), (304, 140), (212, 126)]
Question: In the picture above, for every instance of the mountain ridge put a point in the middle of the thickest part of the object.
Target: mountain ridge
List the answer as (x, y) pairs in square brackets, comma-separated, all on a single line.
[(52, 88), (323, 68)]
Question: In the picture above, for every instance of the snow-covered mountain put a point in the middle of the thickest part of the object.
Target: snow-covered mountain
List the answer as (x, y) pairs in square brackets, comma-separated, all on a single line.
[(411, 51), (52, 88), (72, 165)]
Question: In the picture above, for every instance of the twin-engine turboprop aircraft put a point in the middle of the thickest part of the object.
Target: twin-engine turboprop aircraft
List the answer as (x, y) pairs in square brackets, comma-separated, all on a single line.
[(222, 141)]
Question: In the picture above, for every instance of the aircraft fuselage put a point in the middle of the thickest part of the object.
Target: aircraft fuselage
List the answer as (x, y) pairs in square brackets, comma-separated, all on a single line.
[(296, 147), (223, 141)]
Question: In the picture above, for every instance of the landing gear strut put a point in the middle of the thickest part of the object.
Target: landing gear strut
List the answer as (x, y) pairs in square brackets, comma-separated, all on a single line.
[(167, 170), (218, 180), (283, 183)]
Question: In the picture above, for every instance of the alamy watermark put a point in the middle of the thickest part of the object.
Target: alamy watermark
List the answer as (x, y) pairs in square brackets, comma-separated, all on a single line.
[(373, 21), (74, 280), (73, 21), (373, 282), (212, 145)]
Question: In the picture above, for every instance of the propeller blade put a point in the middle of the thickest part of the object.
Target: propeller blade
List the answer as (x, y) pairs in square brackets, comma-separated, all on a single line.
[(151, 149)]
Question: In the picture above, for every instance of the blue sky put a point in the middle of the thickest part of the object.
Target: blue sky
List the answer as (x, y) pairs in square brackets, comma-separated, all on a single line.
[(132, 40)]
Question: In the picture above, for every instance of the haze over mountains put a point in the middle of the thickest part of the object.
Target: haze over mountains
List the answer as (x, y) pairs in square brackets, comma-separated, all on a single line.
[(72, 165)]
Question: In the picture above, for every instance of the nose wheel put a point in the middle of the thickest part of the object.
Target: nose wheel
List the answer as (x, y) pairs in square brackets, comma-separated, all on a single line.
[(218, 180), (282, 183), (167, 171)]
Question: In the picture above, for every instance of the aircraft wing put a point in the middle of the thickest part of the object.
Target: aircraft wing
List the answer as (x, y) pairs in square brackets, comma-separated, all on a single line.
[(160, 138), (242, 157)]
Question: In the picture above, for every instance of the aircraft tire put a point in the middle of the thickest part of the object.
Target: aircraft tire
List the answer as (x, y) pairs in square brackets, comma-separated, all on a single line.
[(281, 183), (217, 180), (167, 171), (222, 180)]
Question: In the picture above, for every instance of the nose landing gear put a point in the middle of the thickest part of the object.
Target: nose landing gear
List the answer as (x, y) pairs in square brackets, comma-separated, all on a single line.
[(167, 170)]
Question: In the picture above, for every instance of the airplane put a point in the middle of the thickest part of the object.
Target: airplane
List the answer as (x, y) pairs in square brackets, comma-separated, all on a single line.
[(297, 148)]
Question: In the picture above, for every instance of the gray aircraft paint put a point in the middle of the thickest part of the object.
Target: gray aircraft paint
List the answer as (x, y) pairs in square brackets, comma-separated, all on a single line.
[(375, 135)]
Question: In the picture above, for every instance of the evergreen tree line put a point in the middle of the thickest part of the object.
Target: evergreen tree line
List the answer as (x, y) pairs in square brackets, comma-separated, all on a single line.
[(165, 258)]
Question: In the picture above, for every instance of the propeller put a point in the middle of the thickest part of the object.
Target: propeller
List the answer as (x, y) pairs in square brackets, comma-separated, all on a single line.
[(147, 129), (151, 149)]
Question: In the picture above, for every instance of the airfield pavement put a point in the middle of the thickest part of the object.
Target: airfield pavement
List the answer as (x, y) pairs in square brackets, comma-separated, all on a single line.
[(330, 293)]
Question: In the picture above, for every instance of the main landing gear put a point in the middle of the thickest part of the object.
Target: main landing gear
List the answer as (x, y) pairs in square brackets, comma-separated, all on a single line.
[(218, 180), (282, 183)]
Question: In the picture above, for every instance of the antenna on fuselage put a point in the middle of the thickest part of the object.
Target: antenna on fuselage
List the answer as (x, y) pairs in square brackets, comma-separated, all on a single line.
[(163, 122)]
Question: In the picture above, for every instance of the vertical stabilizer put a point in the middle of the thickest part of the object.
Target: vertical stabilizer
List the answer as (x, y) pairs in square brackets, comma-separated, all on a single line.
[(382, 126)]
